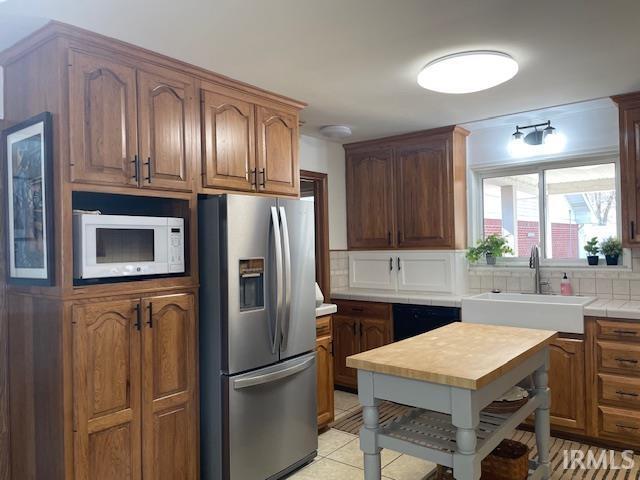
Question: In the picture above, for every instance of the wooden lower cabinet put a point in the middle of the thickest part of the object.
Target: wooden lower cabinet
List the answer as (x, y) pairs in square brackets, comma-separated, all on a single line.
[(567, 380), (358, 327), (134, 372), (324, 364)]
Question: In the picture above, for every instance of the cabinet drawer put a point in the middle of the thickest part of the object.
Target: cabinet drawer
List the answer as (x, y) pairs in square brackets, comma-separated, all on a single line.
[(619, 357), (624, 424), (364, 309), (615, 330), (617, 390), (323, 326)]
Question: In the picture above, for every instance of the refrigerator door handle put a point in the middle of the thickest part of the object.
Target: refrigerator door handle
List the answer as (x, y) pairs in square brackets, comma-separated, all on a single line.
[(274, 376), (279, 291), (287, 280)]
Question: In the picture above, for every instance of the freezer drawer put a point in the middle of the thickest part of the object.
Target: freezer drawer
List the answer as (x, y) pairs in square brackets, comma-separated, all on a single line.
[(271, 423)]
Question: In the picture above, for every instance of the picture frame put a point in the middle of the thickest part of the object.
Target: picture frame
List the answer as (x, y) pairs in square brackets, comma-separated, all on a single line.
[(28, 183)]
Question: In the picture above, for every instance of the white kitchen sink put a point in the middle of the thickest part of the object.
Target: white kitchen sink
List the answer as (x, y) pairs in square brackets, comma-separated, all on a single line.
[(547, 312)]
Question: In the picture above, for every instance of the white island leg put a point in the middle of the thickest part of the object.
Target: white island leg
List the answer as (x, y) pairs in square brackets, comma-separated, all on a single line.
[(542, 422), (368, 433), (465, 417)]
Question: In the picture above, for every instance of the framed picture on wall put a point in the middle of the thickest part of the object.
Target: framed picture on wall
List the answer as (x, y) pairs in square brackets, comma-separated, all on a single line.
[(29, 217)]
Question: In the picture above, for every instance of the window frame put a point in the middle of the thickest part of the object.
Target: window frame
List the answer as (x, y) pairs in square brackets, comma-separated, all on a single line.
[(539, 168)]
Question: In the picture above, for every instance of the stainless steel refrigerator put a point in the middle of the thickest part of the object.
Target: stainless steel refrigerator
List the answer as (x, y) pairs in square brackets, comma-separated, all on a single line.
[(257, 336)]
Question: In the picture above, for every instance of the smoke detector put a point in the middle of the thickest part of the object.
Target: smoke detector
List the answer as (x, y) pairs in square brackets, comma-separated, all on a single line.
[(335, 131)]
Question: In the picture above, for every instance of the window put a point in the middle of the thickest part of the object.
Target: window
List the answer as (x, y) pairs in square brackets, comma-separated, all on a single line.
[(558, 209)]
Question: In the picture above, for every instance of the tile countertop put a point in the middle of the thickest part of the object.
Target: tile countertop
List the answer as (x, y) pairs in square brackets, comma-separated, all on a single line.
[(326, 309), (437, 300), (613, 308), (601, 307)]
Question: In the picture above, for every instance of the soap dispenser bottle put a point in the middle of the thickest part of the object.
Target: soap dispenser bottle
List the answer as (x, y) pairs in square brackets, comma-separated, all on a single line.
[(565, 286)]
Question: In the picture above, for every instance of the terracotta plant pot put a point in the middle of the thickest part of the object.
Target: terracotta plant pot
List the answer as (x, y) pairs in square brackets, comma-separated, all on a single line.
[(593, 259), (612, 259)]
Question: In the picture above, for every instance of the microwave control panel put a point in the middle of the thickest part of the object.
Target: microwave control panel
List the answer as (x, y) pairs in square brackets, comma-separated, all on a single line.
[(176, 245)]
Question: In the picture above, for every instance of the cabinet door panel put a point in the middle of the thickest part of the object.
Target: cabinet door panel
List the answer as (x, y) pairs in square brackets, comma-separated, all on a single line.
[(567, 383), (374, 333), (277, 154), (370, 202), (169, 378), (166, 118), (630, 174), (102, 120), (325, 381), (424, 195), (228, 132), (107, 389), (345, 343)]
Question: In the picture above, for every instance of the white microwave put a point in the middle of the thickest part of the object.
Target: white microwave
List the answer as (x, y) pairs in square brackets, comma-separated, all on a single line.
[(120, 245)]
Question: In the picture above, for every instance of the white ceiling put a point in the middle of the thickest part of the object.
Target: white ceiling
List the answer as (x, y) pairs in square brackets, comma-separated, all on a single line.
[(355, 61)]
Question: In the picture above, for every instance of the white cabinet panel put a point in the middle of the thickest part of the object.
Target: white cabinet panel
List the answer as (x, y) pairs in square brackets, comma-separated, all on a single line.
[(426, 272), (372, 270)]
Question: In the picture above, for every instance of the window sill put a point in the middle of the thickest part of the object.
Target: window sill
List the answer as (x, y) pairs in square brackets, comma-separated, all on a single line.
[(553, 266)]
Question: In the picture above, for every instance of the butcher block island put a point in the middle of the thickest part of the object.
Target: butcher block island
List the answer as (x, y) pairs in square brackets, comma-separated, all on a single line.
[(449, 376)]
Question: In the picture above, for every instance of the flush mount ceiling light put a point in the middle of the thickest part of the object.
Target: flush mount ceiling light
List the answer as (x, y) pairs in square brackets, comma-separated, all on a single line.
[(545, 141), (467, 72), (335, 131)]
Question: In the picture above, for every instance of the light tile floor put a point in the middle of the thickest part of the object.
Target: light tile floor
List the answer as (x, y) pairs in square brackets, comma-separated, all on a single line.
[(339, 456)]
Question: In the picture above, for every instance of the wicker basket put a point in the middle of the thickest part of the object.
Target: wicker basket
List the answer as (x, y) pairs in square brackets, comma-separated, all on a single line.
[(505, 406), (508, 461)]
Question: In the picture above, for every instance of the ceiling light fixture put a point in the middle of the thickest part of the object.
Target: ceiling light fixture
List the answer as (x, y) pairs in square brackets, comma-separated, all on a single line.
[(336, 131), (467, 72), (546, 141)]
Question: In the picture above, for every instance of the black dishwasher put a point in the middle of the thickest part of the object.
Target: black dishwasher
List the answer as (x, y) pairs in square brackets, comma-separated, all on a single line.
[(411, 320)]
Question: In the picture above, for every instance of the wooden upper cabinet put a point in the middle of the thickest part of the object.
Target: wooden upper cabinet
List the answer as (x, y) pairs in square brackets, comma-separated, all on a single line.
[(169, 387), (228, 142), (567, 383), (370, 199), (629, 124), (424, 206), (107, 387), (166, 116), (277, 151), (102, 120), (408, 191)]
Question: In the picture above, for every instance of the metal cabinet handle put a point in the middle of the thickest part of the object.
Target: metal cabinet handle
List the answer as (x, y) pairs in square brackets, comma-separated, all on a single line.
[(626, 427), (632, 226), (391, 264), (625, 332), (150, 321), (626, 360), (253, 178), (136, 168), (148, 165), (389, 237), (626, 394), (263, 183), (357, 309), (138, 323), (399, 265)]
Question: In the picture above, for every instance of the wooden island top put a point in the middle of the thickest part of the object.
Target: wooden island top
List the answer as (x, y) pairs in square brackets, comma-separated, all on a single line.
[(465, 355)]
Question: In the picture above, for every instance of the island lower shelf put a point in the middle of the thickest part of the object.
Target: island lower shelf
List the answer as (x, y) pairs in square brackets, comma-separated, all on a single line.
[(432, 436)]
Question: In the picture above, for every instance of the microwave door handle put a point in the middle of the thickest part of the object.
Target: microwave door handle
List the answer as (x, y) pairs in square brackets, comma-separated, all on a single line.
[(275, 225), (287, 279)]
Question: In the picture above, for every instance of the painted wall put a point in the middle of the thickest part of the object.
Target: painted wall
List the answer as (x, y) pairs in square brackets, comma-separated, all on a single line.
[(590, 128), (327, 157)]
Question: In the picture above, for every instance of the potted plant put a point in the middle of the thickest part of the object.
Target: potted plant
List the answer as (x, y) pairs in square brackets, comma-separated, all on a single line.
[(592, 249), (491, 247), (611, 248)]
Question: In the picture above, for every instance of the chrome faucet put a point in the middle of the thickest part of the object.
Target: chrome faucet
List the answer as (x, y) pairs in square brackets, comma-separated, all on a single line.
[(534, 263)]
